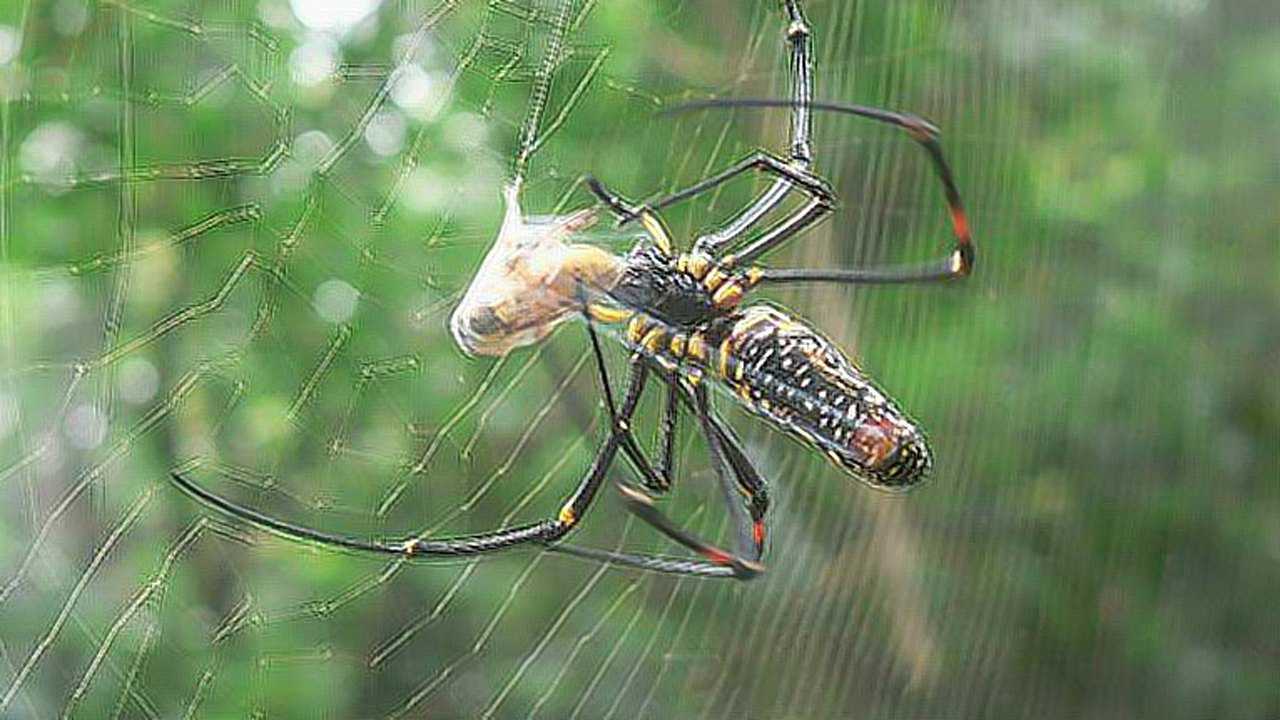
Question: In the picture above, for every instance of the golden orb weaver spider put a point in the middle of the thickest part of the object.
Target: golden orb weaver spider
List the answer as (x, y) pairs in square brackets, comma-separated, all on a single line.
[(685, 321)]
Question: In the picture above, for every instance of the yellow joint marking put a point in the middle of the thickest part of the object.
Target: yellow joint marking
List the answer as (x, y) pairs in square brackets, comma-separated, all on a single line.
[(568, 516), (728, 261), (738, 369), (409, 547), (726, 348), (693, 378), (697, 347), (714, 278), (754, 276), (635, 330), (655, 229), (682, 263), (745, 393), (608, 314), (729, 295), (678, 342), (653, 339), (698, 265)]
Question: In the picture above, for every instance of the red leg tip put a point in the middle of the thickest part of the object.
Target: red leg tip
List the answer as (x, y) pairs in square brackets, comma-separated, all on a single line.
[(961, 224)]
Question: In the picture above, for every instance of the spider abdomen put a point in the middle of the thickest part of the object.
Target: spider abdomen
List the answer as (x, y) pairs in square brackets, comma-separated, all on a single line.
[(790, 375)]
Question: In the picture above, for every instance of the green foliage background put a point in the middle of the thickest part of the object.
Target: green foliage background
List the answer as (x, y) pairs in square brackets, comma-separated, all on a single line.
[(1100, 538)]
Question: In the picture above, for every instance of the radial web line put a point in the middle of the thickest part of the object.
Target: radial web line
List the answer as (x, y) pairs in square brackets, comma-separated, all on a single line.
[(122, 527)]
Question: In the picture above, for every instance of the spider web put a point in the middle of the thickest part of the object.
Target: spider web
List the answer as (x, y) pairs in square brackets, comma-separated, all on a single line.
[(230, 243)]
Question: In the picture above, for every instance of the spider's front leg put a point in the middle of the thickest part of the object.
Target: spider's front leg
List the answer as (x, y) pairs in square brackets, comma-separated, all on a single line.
[(790, 173)]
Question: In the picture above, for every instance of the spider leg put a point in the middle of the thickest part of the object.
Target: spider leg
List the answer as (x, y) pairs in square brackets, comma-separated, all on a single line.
[(801, 71), (624, 209), (719, 562), (727, 454), (800, 155), (750, 483), (821, 202), (670, 415), (627, 211), (543, 532), (641, 505), (653, 563), (652, 479), (957, 264), (789, 173), (745, 562)]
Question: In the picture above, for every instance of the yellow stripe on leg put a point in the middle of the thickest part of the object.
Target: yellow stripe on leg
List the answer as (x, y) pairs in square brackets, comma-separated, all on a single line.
[(567, 516), (654, 227)]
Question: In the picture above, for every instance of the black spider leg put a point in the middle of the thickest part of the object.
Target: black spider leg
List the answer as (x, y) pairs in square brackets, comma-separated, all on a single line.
[(544, 532), (790, 173), (670, 416), (728, 459), (718, 563), (655, 482), (821, 202), (745, 563), (958, 263), (750, 482), (631, 448)]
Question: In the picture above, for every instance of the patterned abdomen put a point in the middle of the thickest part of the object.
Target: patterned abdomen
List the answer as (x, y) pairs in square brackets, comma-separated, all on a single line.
[(788, 374)]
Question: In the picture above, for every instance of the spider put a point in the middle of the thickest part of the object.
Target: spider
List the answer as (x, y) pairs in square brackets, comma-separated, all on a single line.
[(685, 323)]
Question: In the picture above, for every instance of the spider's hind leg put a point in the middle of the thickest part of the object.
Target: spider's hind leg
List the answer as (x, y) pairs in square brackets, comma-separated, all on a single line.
[(641, 505), (728, 458)]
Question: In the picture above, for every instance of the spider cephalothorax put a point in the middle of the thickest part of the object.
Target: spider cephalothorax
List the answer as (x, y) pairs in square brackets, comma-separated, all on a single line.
[(651, 280)]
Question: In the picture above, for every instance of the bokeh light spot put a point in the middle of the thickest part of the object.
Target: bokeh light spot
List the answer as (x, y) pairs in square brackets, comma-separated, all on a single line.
[(385, 134), (314, 61), (49, 152), (138, 380), (332, 15), (336, 300), (419, 93)]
